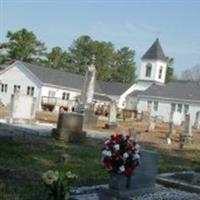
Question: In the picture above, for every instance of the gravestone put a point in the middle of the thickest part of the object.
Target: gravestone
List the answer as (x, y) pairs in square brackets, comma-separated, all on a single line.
[(139, 116), (87, 94), (197, 121), (142, 181), (90, 119), (171, 128), (112, 118), (69, 127), (151, 124), (186, 136), (177, 118), (22, 108), (135, 134)]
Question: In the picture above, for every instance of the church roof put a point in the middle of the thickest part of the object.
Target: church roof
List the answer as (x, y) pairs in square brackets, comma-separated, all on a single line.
[(179, 90), (155, 52), (76, 81)]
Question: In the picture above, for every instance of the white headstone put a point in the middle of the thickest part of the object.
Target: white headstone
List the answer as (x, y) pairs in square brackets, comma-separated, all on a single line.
[(112, 112), (187, 126), (151, 125), (186, 135), (197, 121), (177, 118), (22, 108), (171, 128)]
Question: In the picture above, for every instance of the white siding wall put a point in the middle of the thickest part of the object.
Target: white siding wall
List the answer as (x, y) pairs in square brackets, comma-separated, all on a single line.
[(194, 108), (164, 108), (18, 75), (59, 92), (140, 85)]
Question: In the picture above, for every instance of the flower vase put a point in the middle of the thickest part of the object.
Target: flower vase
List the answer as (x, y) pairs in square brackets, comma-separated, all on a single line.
[(119, 182)]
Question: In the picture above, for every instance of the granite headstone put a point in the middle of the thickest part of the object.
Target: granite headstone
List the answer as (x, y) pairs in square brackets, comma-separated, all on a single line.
[(69, 127), (123, 188)]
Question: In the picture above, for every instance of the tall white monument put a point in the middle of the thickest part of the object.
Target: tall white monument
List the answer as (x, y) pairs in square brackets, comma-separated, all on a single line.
[(87, 93)]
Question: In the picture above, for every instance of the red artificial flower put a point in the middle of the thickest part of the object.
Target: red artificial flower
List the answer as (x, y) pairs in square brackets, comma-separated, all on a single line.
[(116, 155), (128, 137), (128, 172), (129, 147), (118, 138)]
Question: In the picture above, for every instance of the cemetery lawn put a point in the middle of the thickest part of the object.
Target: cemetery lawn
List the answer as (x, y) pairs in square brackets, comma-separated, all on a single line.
[(28, 157)]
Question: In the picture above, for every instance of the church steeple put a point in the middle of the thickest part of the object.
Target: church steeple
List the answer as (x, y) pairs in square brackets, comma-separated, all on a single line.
[(155, 52), (154, 65)]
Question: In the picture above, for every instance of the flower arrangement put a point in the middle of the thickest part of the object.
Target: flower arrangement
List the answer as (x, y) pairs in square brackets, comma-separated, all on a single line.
[(120, 155), (58, 185)]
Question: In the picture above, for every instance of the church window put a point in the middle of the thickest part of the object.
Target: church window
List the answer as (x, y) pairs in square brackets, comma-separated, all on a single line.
[(4, 88), (65, 96), (30, 91), (148, 70), (160, 72), (180, 108), (16, 88), (155, 106), (149, 103), (186, 108), (173, 107)]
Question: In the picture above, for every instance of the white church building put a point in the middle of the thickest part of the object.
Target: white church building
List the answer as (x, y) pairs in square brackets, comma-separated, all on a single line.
[(151, 92), (53, 88)]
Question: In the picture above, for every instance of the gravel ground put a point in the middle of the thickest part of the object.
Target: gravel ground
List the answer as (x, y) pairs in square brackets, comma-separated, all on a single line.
[(161, 193), (168, 194)]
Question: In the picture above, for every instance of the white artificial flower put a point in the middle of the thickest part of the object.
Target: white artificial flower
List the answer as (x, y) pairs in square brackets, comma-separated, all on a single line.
[(116, 147), (109, 154), (107, 142), (136, 156), (125, 155), (137, 151), (122, 168), (104, 152), (137, 146), (70, 175), (50, 177)]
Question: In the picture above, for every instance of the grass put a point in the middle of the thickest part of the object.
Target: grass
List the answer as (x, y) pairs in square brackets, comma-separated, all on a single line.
[(29, 157), (174, 159)]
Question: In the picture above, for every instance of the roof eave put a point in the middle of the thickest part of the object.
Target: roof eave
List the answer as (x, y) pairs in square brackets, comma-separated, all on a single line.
[(170, 99)]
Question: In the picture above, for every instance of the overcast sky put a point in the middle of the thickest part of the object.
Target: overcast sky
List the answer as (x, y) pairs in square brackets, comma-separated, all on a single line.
[(123, 22)]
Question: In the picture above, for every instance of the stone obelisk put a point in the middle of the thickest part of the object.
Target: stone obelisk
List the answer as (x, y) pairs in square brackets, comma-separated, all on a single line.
[(87, 93)]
